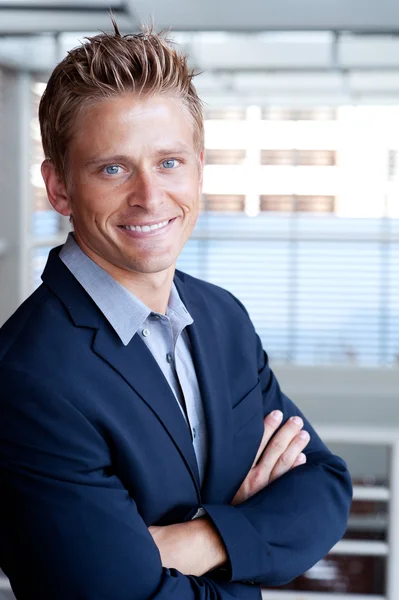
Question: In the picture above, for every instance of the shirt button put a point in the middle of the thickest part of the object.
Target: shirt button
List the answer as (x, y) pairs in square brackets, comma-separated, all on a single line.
[(156, 317), (146, 332), (169, 357), (194, 433)]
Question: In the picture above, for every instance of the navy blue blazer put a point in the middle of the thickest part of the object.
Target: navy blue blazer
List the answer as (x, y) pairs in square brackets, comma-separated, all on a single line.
[(94, 449)]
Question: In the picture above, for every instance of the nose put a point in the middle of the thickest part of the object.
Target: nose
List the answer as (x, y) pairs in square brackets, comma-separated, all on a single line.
[(145, 190)]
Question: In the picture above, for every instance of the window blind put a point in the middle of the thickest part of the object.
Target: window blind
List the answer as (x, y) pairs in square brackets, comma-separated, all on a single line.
[(297, 203), (294, 157), (278, 113), (325, 294), (223, 202), (225, 157)]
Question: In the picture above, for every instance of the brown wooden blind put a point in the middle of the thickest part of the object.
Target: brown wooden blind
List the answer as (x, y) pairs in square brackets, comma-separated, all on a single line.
[(222, 203), (302, 114), (297, 203), (231, 114), (293, 157), (225, 157)]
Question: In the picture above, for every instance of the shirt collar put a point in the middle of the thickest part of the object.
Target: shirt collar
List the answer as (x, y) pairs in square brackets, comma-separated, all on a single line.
[(123, 310)]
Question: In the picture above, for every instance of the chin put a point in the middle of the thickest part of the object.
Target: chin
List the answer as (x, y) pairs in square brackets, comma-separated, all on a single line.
[(150, 266)]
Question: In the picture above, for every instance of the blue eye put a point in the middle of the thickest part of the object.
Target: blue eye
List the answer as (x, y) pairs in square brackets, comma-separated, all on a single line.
[(170, 163), (112, 169)]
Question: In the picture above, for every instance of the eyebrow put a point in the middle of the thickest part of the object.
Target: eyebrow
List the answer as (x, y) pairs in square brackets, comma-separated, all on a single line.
[(176, 150), (116, 158)]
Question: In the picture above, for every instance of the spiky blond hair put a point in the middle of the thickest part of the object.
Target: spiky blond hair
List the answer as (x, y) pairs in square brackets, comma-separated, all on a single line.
[(107, 65)]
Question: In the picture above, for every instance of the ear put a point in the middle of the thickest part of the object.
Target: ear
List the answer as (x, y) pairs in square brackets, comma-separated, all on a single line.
[(56, 189)]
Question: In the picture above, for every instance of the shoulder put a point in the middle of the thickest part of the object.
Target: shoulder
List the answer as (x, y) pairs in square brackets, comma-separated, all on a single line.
[(211, 292), (222, 303), (21, 320), (36, 332)]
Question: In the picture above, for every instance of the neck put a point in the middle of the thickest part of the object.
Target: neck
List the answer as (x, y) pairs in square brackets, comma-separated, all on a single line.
[(153, 289)]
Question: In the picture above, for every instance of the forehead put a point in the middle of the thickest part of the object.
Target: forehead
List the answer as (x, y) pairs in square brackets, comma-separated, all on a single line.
[(131, 120)]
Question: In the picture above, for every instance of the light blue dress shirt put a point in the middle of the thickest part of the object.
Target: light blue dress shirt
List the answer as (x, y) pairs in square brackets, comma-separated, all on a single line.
[(164, 335)]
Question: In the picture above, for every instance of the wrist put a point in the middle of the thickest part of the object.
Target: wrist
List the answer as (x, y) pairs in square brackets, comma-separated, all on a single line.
[(210, 547)]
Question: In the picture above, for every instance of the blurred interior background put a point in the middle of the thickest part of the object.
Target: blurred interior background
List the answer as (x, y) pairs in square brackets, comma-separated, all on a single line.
[(299, 219)]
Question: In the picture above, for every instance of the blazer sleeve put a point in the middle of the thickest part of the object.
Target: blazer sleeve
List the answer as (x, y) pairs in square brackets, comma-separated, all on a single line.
[(68, 527), (288, 526)]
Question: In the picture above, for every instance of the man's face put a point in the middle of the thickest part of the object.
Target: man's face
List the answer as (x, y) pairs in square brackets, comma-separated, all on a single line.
[(134, 182)]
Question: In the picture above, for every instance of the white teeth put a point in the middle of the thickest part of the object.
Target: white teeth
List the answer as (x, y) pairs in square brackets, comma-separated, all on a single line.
[(146, 228)]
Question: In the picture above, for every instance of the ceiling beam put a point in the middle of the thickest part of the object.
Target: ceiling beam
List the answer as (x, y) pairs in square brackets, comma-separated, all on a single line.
[(25, 22), (359, 16), (272, 15)]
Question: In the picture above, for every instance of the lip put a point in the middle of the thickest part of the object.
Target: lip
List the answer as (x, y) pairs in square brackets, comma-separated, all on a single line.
[(148, 223), (146, 234)]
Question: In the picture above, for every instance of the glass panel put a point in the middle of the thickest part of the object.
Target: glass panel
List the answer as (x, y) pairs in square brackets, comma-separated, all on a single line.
[(45, 222), (234, 114), (39, 258), (225, 157), (338, 302), (299, 222), (223, 203)]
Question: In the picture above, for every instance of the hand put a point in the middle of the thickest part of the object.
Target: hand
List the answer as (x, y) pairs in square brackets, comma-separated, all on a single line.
[(193, 548), (276, 455)]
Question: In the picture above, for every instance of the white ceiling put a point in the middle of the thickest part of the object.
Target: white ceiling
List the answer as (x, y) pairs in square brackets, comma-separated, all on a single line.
[(25, 16), (331, 51), (256, 15)]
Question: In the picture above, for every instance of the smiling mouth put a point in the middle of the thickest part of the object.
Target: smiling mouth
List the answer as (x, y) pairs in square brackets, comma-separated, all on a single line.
[(146, 228)]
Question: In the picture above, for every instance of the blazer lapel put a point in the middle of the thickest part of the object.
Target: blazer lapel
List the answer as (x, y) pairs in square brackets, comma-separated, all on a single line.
[(138, 367), (212, 379)]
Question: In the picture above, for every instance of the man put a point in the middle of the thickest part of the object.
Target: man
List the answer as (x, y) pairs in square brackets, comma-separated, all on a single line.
[(136, 402)]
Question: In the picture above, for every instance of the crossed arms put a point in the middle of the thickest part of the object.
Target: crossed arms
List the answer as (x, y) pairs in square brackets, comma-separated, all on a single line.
[(195, 547), (69, 532)]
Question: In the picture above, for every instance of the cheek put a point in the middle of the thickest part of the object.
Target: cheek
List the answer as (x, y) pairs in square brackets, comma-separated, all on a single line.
[(96, 199), (91, 211), (185, 185), (190, 195)]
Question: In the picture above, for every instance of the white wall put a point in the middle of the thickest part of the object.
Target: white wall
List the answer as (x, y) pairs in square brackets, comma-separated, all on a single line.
[(14, 149)]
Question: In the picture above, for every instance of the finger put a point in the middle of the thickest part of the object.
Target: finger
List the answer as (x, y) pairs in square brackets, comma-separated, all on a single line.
[(300, 460), (270, 423), (279, 443), (288, 458)]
